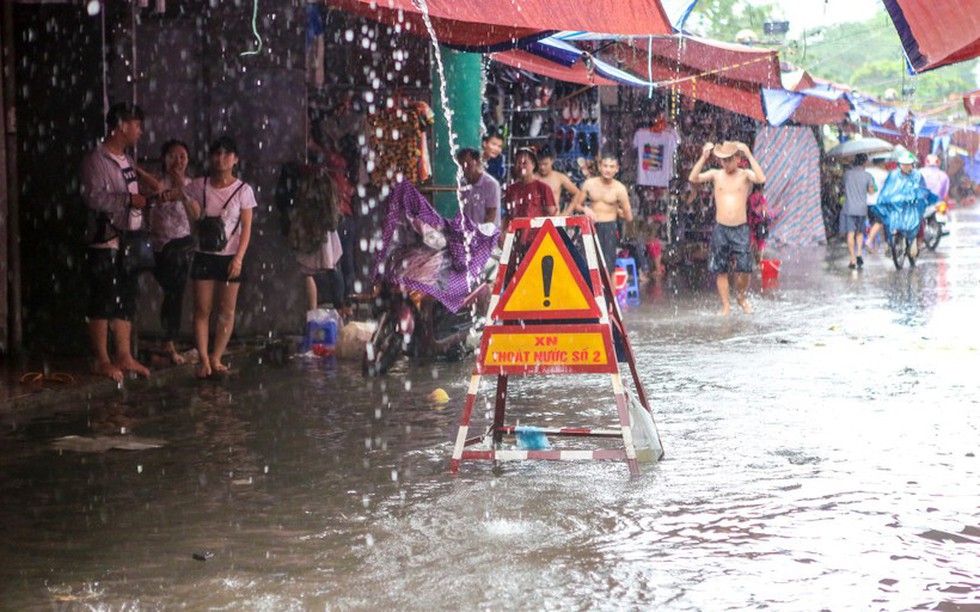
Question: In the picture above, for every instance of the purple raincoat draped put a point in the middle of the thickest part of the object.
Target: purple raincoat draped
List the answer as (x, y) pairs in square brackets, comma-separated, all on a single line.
[(422, 250)]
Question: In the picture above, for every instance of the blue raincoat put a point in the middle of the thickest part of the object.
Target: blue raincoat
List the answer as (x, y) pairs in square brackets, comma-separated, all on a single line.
[(903, 200)]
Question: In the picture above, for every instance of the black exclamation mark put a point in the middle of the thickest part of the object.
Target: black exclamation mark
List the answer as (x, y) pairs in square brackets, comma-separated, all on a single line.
[(547, 267)]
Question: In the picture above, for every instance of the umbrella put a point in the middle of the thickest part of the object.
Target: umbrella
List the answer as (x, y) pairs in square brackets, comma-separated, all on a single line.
[(868, 146)]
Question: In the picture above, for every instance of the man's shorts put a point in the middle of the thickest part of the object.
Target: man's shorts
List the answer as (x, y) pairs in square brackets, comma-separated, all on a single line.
[(727, 241), (852, 223), (208, 266), (112, 292), (608, 235)]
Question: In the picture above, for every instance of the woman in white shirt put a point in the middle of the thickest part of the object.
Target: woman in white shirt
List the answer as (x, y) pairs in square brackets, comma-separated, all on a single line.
[(217, 266)]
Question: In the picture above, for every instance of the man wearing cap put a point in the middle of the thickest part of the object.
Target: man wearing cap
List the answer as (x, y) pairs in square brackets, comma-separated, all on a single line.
[(858, 184), (730, 236), (110, 189)]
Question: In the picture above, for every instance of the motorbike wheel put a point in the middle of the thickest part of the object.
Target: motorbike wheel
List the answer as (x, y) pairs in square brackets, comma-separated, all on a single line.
[(450, 332), (898, 249), (933, 232), (385, 347)]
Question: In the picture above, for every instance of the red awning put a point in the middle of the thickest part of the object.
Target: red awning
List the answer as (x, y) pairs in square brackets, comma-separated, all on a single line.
[(576, 73), (487, 23), (971, 102), (709, 58), (934, 33), (726, 75)]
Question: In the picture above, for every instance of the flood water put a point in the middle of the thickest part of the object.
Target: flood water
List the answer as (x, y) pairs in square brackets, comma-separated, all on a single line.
[(821, 453)]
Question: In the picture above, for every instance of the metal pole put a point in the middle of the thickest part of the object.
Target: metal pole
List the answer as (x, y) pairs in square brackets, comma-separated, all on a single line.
[(15, 299)]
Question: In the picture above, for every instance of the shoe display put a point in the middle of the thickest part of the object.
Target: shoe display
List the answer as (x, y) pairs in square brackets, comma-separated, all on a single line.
[(536, 122)]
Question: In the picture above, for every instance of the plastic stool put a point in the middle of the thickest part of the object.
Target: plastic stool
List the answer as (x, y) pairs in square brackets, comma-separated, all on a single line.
[(633, 283)]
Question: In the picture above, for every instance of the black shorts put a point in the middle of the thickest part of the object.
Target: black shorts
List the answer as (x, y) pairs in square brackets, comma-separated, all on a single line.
[(208, 266), (873, 215), (608, 235), (727, 241), (112, 292)]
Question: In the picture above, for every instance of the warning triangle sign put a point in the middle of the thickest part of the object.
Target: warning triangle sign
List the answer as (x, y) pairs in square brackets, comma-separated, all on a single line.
[(547, 285)]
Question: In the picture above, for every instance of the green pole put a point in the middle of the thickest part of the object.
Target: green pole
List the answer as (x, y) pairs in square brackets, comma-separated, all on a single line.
[(464, 90)]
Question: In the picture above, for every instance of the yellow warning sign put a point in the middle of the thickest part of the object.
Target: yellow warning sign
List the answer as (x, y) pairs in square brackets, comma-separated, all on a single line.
[(546, 349), (547, 285)]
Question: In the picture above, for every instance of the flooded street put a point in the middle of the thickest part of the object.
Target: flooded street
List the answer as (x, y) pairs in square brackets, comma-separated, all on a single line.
[(821, 453)]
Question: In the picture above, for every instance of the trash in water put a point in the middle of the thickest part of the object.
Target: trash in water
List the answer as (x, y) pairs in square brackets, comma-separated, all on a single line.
[(531, 438), (439, 396), (101, 444), (203, 556)]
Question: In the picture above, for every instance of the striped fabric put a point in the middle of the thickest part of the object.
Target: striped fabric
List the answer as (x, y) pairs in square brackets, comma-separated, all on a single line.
[(790, 158)]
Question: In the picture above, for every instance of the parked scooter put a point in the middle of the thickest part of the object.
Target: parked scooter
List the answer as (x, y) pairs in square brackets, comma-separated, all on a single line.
[(434, 280), (416, 324), (935, 224)]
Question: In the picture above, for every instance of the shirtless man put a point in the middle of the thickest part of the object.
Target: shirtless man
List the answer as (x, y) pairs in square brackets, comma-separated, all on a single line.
[(732, 186), (608, 202), (558, 181)]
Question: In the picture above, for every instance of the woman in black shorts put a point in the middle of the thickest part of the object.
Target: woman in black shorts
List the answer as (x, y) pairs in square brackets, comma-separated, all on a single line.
[(217, 266)]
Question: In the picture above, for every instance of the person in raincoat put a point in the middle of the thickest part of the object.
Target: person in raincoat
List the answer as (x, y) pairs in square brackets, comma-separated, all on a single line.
[(902, 200)]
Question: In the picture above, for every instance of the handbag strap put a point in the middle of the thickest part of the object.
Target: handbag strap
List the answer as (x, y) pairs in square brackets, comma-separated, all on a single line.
[(204, 205)]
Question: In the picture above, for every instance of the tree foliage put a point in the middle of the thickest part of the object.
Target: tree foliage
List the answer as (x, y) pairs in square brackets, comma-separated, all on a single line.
[(723, 19), (867, 55)]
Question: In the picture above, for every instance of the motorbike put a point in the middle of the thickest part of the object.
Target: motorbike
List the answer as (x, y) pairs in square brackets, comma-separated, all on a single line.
[(935, 224), (901, 226), (434, 280)]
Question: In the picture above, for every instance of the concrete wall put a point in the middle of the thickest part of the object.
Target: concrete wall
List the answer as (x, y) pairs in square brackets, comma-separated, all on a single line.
[(186, 71)]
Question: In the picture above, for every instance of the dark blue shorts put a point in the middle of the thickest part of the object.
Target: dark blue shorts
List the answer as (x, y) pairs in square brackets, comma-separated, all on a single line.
[(727, 241), (852, 223)]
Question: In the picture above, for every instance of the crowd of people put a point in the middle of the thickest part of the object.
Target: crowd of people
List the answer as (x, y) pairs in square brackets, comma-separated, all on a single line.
[(124, 203), (873, 196), (127, 202)]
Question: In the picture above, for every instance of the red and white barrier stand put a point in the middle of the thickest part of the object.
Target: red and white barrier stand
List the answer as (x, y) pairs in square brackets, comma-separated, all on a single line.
[(545, 318)]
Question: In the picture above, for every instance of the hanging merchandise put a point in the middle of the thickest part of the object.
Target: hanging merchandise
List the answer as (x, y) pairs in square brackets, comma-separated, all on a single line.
[(398, 143), (655, 156)]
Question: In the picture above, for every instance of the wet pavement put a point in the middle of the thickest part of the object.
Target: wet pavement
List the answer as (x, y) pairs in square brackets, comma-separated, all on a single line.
[(822, 453)]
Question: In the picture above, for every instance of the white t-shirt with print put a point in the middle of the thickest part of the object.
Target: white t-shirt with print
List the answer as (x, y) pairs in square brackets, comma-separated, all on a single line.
[(132, 184), (655, 157)]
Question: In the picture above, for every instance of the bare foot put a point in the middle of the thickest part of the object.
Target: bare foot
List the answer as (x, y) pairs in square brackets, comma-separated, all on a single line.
[(724, 312), (217, 366), (746, 307), (203, 369), (104, 368), (131, 365), (175, 357)]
